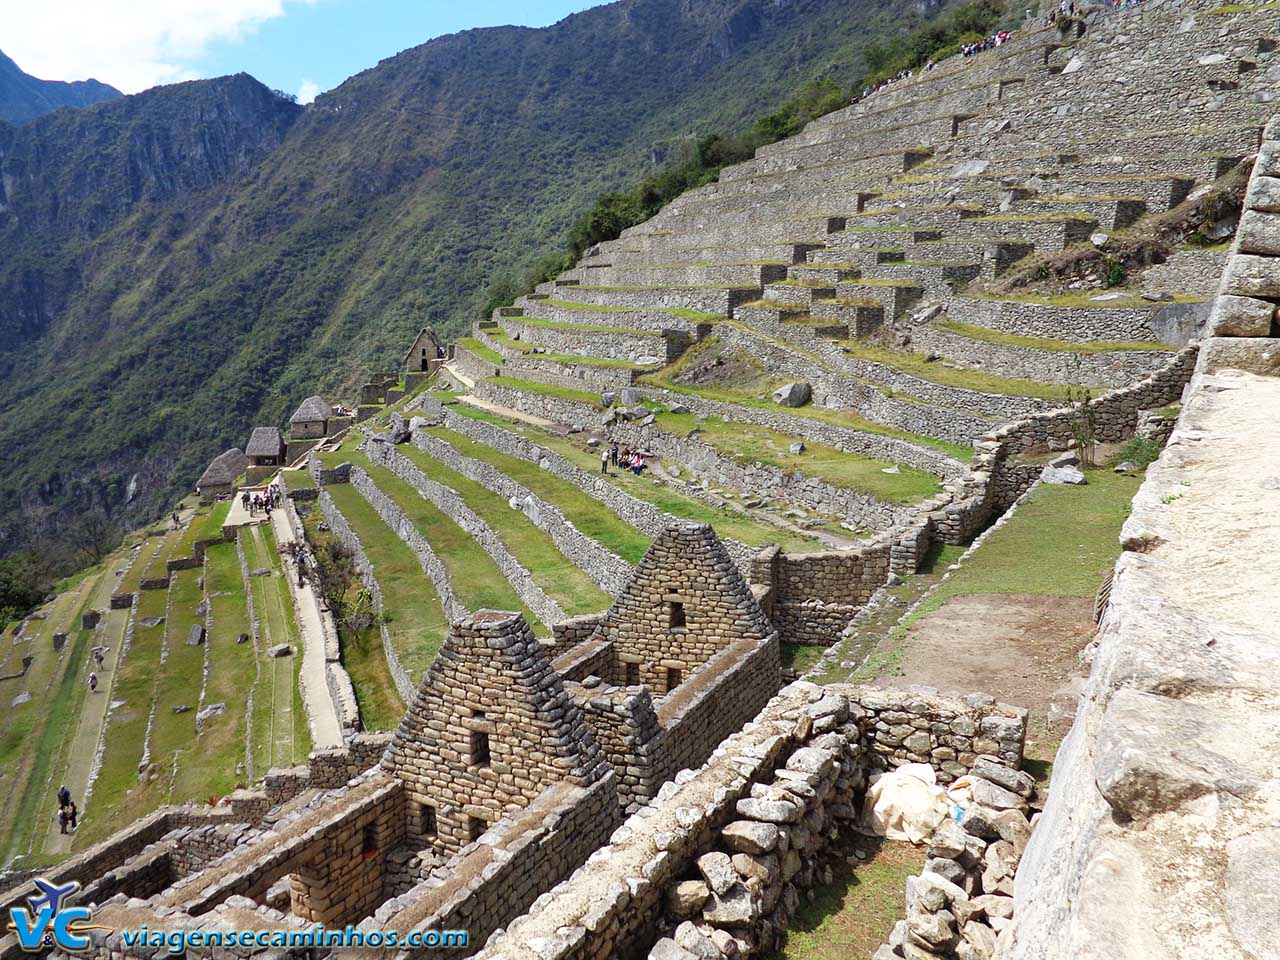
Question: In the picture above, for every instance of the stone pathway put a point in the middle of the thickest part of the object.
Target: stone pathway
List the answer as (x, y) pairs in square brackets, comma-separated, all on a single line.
[(239, 516), (510, 413), (322, 716)]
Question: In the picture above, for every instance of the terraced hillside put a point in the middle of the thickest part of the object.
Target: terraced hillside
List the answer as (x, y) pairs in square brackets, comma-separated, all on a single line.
[(991, 240), (190, 701)]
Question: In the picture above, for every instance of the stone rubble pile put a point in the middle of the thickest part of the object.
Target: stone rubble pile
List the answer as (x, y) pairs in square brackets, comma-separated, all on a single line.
[(963, 901)]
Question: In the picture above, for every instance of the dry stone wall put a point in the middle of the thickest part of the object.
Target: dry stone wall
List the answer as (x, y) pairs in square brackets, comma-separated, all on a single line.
[(609, 570), (456, 509), (1073, 324)]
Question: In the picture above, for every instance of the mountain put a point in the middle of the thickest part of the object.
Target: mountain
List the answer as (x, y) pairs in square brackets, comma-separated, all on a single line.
[(23, 97), (179, 265)]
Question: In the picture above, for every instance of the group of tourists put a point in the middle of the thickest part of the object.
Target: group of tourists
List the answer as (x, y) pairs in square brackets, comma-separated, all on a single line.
[(623, 458), (987, 43), (67, 814), (266, 501)]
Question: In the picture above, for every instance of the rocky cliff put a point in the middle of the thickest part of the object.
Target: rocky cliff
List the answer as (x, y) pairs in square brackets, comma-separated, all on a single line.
[(23, 97)]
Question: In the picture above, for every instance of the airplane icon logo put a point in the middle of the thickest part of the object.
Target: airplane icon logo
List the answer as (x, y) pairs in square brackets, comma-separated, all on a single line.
[(51, 895)]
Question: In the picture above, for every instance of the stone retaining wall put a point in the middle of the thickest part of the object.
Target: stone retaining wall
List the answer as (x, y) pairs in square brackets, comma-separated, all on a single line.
[(729, 846), (343, 531), (1103, 369), (640, 514), (608, 569), (456, 509), (1074, 324), (575, 376)]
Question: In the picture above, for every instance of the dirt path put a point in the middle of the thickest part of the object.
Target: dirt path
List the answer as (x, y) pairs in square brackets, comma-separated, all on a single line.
[(326, 731), (1020, 648), (510, 413)]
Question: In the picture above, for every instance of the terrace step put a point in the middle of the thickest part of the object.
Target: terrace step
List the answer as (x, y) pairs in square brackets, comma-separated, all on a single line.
[(1111, 213), (823, 273), (997, 255), (895, 296), (861, 258), (724, 254), (799, 295), (937, 277), (1047, 233), (704, 299), (860, 318), (923, 217), (736, 274)]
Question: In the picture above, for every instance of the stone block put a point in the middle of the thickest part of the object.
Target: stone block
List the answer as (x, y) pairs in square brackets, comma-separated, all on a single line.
[(1248, 275), (1233, 316), (1259, 233), (1264, 194)]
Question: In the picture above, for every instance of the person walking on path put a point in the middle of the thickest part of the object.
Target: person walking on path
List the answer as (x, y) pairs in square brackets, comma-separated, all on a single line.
[(63, 820), (71, 815), (64, 796), (93, 683)]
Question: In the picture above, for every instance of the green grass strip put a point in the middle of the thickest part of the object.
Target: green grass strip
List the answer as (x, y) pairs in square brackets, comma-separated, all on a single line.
[(987, 335), (590, 516), (555, 573)]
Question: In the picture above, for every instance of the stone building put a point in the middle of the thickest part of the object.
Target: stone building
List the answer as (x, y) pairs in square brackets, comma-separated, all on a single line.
[(265, 447), (219, 478), (490, 729), (311, 420), (426, 347)]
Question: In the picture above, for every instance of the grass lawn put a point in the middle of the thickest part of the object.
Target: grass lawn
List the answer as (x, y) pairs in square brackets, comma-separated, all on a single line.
[(481, 350), (548, 390), (280, 736), (117, 791), (800, 657), (476, 578), (761, 400), (35, 735), (728, 523), (578, 327), (850, 471), (853, 915), (558, 576), (1001, 338), (1058, 544), (587, 514), (415, 619), (211, 770), (918, 365)]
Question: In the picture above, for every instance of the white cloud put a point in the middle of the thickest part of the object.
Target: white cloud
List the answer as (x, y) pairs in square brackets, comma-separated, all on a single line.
[(308, 91), (130, 44)]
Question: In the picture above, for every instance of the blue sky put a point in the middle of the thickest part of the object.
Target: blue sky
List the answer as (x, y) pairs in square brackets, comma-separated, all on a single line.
[(301, 46)]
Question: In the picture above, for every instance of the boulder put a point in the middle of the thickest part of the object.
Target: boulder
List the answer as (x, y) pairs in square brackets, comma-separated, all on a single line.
[(988, 794), (793, 394), (209, 712), (195, 636), (692, 938), (768, 811), (280, 650), (1071, 475), (797, 447), (608, 397), (648, 361), (666, 949), (979, 822), (1128, 466), (934, 931), (1013, 826), (1065, 460), (763, 867), (1240, 317), (630, 396), (679, 408)]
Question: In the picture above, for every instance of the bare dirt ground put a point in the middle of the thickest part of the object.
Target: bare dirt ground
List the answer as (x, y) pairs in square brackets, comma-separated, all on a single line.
[(1020, 648)]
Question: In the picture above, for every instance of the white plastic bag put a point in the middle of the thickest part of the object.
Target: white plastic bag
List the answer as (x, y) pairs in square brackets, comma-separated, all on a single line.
[(906, 803)]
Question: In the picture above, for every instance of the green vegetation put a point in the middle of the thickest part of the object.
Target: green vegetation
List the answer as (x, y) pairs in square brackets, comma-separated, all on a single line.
[(988, 335), (918, 365), (1058, 544), (415, 619), (586, 513), (854, 914), (480, 349), (728, 523), (555, 573), (746, 441), (477, 580), (20, 586), (549, 390)]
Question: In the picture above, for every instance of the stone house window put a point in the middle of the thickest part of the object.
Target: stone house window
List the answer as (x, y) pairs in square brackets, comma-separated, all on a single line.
[(369, 848), (475, 829), (479, 744), (428, 820), (632, 673), (675, 609), (674, 678)]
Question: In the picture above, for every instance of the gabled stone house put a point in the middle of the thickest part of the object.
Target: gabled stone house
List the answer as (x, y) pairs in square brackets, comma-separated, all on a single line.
[(311, 420), (219, 478), (265, 447)]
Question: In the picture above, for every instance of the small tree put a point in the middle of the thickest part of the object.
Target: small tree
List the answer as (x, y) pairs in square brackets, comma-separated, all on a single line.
[(1084, 423), (335, 572)]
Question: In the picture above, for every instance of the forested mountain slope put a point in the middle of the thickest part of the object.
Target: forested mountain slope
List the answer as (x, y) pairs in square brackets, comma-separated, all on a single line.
[(178, 264)]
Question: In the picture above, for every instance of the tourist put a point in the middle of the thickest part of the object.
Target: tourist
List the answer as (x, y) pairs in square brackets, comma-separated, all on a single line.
[(613, 453), (97, 656), (63, 820), (71, 815), (93, 683), (604, 460), (64, 796)]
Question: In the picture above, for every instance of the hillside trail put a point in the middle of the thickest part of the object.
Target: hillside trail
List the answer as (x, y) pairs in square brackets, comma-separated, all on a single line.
[(78, 764), (322, 716), (511, 413)]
